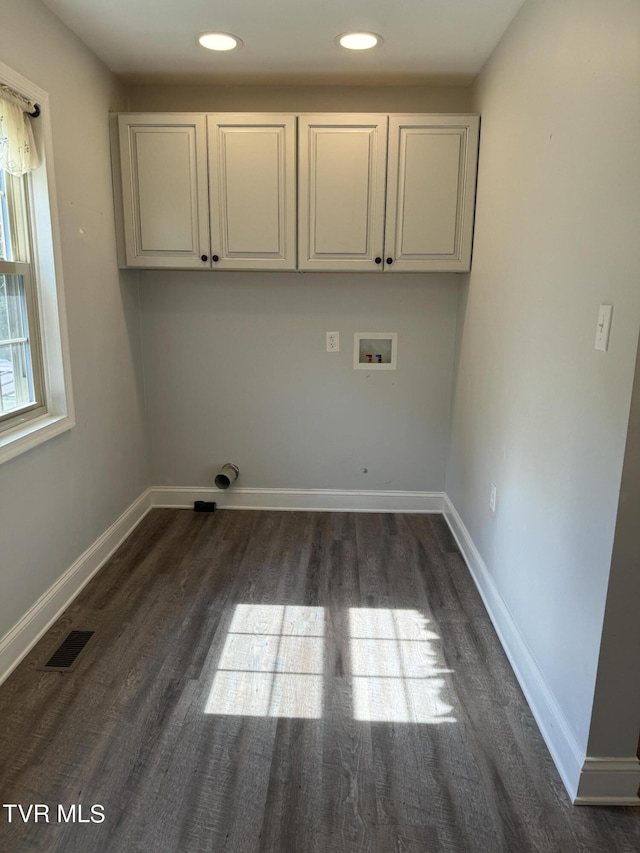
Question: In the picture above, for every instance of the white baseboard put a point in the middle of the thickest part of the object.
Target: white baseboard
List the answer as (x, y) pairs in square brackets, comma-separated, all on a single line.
[(330, 500), (41, 615), (602, 776), (560, 740), (589, 781)]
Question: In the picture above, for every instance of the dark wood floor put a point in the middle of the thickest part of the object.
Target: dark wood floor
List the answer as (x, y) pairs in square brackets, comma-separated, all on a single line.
[(286, 682)]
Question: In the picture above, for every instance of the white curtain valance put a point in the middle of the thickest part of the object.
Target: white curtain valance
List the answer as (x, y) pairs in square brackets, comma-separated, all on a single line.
[(18, 153)]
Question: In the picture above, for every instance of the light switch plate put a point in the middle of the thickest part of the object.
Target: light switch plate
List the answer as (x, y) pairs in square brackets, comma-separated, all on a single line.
[(603, 327)]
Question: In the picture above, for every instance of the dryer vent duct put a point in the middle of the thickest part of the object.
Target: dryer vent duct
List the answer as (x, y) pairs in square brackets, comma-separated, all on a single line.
[(227, 475)]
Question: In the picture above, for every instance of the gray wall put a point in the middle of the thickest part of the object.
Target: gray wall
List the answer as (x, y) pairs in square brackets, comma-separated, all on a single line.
[(376, 99), (236, 370), (235, 364), (537, 410), (59, 497)]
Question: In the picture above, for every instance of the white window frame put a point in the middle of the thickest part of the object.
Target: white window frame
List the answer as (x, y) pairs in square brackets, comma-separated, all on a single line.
[(20, 267), (57, 415)]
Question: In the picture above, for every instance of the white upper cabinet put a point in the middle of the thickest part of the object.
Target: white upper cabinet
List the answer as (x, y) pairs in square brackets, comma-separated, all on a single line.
[(405, 204), (341, 179), (375, 193), (252, 191), (431, 181), (163, 163)]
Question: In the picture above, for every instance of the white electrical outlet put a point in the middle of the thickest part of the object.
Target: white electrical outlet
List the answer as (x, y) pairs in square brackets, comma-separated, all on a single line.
[(333, 341), (493, 497)]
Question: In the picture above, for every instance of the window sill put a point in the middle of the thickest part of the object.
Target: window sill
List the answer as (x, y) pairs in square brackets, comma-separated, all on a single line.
[(15, 441)]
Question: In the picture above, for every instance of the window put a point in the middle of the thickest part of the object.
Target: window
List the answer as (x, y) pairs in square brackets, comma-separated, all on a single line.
[(21, 386), (35, 392)]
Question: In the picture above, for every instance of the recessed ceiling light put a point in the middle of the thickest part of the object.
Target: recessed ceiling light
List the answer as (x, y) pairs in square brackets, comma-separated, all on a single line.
[(219, 41), (358, 41)]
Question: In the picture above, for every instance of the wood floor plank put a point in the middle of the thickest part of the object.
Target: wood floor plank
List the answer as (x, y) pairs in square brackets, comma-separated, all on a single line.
[(297, 682), (292, 817)]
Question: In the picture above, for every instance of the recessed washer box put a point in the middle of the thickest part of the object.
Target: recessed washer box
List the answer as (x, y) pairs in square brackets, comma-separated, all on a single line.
[(375, 350)]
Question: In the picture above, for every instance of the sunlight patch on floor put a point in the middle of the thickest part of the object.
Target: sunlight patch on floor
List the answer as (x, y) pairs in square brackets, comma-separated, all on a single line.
[(394, 663), (271, 664)]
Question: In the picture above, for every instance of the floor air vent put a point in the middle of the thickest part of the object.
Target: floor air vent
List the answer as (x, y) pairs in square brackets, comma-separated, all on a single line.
[(66, 656)]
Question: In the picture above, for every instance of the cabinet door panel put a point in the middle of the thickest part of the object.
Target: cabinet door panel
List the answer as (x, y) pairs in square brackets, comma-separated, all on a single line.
[(431, 191), (340, 193), (252, 191), (428, 202), (165, 206), (163, 162), (342, 181)]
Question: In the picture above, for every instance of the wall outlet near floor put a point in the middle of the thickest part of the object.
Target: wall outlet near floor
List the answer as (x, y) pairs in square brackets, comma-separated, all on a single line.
[(333, 341), (493, 496)]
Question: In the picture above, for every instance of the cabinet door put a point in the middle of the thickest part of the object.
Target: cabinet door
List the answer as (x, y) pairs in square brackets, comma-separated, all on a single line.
[(431, 186), (252, 191), (163, 161), (342, 165)]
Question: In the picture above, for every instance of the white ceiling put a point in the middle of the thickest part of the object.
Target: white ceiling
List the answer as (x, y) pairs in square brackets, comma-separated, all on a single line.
[(290, 40)]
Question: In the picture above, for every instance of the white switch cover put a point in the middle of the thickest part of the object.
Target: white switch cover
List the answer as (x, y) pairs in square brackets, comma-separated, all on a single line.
[(333, 341), (604, 327)]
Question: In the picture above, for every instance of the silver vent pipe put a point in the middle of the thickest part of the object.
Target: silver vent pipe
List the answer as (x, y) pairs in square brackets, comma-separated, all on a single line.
[(227, 475)]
